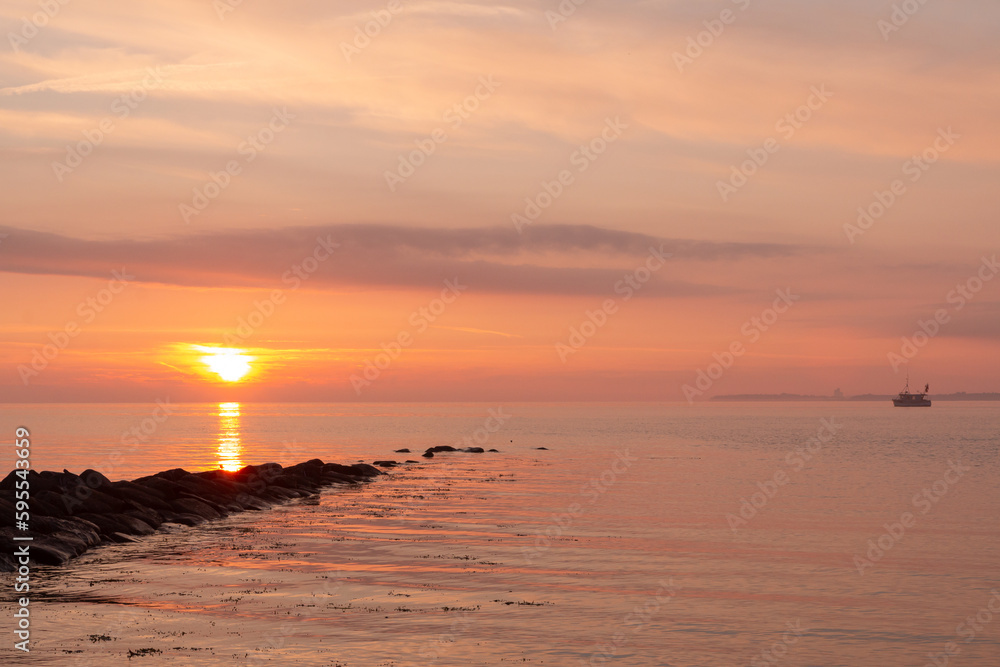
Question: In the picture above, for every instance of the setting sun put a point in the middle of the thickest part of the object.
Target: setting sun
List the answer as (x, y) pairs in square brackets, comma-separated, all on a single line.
[(228, 363)]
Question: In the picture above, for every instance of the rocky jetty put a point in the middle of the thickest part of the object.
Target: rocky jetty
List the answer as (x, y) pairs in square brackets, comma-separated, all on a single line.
[(70, 513)]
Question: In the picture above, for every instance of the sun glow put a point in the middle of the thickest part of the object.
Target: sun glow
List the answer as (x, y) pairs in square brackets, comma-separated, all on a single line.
[(228, 363)]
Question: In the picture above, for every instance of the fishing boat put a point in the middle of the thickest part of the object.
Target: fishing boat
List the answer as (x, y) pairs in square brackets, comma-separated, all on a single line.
[(908, 400)]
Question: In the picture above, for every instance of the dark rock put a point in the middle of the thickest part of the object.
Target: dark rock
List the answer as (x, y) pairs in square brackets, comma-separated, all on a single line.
[(53, 482), (386, 464), (94, 479), (366, 470), (135, 494), (107, 523), (349, 471), (264, 471), (96, 501), (147, 515), (474, 450), (49, 503), (172, 475), (545, 448), (121, 537), (6, 513), (196, 507), (428, 455), (218, 507), (163, 486), (297, 482), (50, 552), (441, 448), (217, 492), (183, 518), (10, 481), (135, 525), (494, 450), (402, 451), (253, 503), (119, 523), (85, 531), (337, 478)]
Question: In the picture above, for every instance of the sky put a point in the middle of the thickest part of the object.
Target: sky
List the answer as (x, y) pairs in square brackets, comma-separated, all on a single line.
[(526, 201)]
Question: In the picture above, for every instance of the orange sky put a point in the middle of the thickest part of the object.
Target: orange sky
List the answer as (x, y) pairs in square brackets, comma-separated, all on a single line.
[(267, 164)]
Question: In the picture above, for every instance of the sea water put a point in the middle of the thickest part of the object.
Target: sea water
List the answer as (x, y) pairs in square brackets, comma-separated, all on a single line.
[(717, 534)]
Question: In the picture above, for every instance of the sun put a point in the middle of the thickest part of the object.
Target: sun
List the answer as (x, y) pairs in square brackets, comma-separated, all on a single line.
[(228, 363)]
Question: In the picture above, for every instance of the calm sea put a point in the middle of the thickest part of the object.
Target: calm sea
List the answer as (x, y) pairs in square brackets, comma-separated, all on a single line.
[(717, 534)]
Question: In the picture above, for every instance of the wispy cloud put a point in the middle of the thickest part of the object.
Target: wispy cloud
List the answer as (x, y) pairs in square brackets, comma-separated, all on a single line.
[(477, 331), (383, 256)]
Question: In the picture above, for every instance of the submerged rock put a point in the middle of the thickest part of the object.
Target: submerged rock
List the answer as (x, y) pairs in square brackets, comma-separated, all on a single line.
[(71, 513), (431, 451)]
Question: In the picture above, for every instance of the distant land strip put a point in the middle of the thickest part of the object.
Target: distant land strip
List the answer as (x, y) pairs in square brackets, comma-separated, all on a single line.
[(960, 396)]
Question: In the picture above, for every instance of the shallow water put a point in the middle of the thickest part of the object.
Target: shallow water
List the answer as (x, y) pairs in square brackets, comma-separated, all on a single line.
[(613, 546)]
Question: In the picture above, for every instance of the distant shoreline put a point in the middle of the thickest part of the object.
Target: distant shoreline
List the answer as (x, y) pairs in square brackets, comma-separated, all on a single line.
[(960, 396)]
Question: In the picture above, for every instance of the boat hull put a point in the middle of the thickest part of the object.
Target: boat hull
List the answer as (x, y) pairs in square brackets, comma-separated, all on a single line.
[(922, 403)]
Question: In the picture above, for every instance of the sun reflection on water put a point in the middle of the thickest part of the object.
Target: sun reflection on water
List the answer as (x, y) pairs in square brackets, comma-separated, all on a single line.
[(230, 449)]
